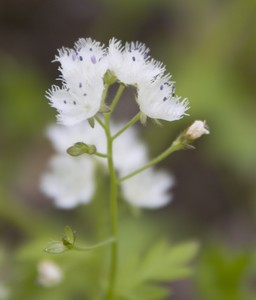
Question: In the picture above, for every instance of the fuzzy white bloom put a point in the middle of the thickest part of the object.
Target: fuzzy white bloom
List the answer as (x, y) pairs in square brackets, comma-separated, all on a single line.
[(157, 100), (69, 181), (82, 70), (149, 189), (197, 129), (49, 273), (131, 64)]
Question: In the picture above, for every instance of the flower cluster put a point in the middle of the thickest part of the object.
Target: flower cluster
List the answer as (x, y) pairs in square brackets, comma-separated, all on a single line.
[(84, 71), (71, 180)]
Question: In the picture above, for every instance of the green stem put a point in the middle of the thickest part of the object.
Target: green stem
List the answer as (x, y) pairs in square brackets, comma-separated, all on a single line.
[(129, 124), (101, 155), (117, 97), (175, 146), (104, 243)]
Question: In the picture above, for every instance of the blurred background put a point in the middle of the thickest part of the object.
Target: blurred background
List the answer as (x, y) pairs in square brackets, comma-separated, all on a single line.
[(210, 47)]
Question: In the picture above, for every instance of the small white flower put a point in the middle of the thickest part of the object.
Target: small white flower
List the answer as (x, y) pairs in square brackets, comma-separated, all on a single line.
[(82, 70), (69, 181), (149, 189), (49, 273), (158, 101), (197, 129), (131, 63)]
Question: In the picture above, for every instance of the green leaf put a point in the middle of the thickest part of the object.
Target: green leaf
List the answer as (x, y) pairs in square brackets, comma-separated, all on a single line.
[(162, 262)]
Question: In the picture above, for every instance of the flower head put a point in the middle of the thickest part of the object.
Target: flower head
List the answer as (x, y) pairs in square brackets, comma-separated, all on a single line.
[(157, 100), (131, 64), (82, 70)]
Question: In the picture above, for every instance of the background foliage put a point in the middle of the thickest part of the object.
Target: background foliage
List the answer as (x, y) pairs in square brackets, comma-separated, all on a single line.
[(209, 47)]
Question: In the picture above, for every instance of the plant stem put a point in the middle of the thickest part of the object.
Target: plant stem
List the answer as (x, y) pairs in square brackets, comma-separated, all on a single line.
[(129, 124), (175, 146), (113, 209), (117, 97), (101, 244)]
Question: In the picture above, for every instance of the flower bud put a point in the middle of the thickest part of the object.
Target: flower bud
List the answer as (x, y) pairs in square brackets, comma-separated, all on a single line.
[(81, 148), (196, 130)]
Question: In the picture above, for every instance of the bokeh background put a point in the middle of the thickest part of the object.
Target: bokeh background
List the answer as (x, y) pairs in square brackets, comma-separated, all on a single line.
[(210, 48)]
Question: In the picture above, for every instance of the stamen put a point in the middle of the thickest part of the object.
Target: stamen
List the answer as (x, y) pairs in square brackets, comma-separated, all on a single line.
[(81, 58), (80, 85), (84, 94), (65, 102), (74, 102), (161, 87), (133, 58), (165, 98)]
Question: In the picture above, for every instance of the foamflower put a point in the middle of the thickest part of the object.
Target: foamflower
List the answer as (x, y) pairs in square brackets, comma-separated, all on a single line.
[(157, 100), (82, 70), (131, 64)]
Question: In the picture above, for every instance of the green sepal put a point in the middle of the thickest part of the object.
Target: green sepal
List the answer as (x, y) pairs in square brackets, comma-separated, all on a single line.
[(91, 122), (109, 78), (56, 247), (69, 238), (104, 109), (143, 118)]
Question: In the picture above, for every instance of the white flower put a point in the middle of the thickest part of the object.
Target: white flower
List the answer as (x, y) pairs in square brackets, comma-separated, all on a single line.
[(149, 189), (131, 63), (158, 101), (69, 181), (82, 70), (196, 130), (49, 274), (129, 152)]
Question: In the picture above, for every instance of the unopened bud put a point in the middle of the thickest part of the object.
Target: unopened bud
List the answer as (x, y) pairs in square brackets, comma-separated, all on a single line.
[(81, 148), (196, 130)]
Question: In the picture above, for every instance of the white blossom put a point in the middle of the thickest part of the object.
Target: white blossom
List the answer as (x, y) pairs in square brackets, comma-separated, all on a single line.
[(69, 180), (196, 130), (131, 63), (82, 70), (149, 189), (49, 273), (157, 100)]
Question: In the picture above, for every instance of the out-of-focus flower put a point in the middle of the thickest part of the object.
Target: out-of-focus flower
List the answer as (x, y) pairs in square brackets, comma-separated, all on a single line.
[(49, 273), (157, 100), (69, 181), (149, 189), (196, 130)]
